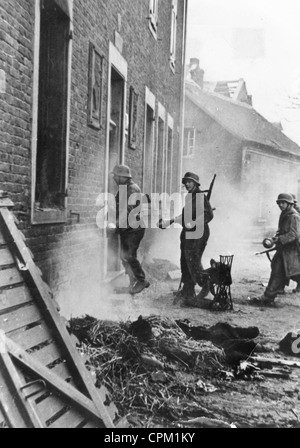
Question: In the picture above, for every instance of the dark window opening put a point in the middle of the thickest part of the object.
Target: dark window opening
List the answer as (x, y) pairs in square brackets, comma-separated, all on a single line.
[(50, 188), (149, 139), (116, 143), (169, 164), (116, 124), (160, 157)]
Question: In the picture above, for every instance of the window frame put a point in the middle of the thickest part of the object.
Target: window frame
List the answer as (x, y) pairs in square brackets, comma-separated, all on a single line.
[(149, 102), (173, 38), (169, 154), (49, 216), (153, 17), (160, 151), (190, 152)]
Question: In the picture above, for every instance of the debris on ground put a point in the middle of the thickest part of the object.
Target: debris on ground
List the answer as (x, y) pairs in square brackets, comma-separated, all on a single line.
[(159, 269), (175, 275), (238, 343), (154, 372), (158, 371)]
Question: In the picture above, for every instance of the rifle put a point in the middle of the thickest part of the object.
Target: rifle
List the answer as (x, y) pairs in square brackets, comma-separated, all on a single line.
[(267, 252), (209, 191)]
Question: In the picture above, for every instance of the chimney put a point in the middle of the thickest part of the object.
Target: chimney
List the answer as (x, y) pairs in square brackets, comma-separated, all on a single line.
[(197, 74)]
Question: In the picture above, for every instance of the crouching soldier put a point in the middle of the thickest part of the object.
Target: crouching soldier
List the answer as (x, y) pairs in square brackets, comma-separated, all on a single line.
[(193, 246), (285, 264)]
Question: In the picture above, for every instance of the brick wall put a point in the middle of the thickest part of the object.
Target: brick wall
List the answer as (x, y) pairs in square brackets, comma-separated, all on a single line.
[(73, 251), (15, 99)]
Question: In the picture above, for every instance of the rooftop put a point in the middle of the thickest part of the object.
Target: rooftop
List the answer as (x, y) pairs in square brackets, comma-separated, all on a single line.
[(240, 119)]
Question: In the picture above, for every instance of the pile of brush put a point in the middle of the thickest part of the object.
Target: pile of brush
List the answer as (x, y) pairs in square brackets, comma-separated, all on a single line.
[(152, 369)]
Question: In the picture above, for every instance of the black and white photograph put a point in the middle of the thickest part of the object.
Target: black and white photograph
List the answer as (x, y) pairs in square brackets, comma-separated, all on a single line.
[(149, 217)]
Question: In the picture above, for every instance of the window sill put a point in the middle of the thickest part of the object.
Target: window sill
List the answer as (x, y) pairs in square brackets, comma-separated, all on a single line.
[(49, 216)]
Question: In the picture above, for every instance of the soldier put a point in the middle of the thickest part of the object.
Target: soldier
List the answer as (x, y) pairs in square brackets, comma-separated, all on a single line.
[(285, 264), (130, 236), (297, 208), (192, 249)]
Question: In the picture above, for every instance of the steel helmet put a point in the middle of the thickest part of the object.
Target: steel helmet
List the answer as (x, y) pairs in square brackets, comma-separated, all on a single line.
[(122, 170), (285, 197), (191, 176), (294, 197)]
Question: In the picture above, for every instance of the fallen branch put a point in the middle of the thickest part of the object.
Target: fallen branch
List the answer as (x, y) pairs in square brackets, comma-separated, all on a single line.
[(274, 361), (204, 422)]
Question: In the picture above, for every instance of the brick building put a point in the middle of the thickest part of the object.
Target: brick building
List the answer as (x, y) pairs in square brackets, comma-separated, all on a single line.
[(84, 85)]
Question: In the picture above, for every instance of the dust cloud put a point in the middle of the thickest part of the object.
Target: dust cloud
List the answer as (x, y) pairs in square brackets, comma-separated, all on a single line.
[(232, 232)]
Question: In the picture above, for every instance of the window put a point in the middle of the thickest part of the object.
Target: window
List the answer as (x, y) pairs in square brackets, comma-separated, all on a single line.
[(189, 142), (115, 145), (50, 152), (153, 16), (173, 35), (149, 144), (159, 159), (169, 155)]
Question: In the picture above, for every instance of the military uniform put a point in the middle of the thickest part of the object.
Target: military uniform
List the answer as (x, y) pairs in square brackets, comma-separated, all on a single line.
[(285, 264), (192, 249), (130, 236)]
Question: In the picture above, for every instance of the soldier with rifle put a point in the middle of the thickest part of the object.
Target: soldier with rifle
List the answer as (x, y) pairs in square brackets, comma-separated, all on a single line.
[(192, 246), (285, 264)]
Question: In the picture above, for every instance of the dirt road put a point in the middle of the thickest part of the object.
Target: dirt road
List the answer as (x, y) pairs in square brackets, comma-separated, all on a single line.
[(269, 402)]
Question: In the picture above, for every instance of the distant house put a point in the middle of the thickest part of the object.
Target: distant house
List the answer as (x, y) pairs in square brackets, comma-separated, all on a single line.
[(236, 90), (225, 135)]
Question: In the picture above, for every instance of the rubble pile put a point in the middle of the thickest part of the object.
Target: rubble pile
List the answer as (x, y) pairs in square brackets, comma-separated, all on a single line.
[(157, 370), (154, 372)]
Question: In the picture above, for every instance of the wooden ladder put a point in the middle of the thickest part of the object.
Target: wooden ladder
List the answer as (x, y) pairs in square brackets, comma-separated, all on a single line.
[(43, 380)]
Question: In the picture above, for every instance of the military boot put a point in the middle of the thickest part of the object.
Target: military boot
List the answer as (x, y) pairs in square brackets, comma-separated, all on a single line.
[(188, 294), (188, 291), (126, 289)]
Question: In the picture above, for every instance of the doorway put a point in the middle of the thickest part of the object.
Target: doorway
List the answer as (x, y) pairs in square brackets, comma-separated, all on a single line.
[(115, 149)]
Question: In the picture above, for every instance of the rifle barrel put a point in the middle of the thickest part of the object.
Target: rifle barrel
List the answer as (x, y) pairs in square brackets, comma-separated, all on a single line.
[(211, 187), (265, 251)]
